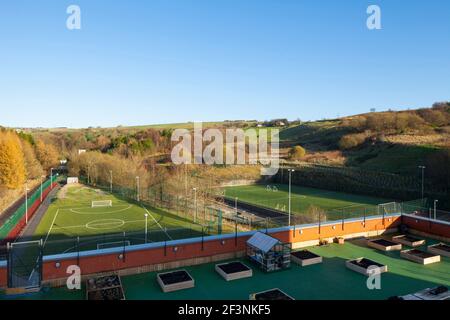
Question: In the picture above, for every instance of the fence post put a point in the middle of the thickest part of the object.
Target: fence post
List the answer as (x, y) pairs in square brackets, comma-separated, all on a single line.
[(78, 251), (320, 220), (203, 235), (235, 230), (123, 253), (343, 219)]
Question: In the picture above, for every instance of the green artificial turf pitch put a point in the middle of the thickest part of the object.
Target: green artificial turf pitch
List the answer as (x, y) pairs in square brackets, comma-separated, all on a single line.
[(275, 196), (71, 216)]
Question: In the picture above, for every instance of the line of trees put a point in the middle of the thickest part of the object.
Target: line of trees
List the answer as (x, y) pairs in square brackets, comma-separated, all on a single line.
[(22, 158)]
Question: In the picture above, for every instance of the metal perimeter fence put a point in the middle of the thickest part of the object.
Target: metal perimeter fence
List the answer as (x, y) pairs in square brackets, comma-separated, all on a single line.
[(205, 217)]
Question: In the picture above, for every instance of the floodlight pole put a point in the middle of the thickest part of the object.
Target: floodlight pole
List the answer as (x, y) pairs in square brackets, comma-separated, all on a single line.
[(423, 178), (435, 205), (195, 204), (26, 203), (51, 178), (146, 228), (41, 188), (137, 189), (290, 172), (111, 181)]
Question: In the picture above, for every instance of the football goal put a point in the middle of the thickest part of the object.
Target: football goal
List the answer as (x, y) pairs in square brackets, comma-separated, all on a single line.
[(101, 203), (388, 208)]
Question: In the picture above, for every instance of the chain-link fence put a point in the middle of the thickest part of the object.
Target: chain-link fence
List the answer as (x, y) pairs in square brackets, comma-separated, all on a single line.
[(425, 208)]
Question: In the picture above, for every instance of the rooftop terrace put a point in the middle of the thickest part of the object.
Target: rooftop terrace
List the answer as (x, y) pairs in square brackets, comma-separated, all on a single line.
[(329, 280)]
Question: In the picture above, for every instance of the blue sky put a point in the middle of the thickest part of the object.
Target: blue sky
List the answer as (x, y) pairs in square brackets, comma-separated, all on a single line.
[(166, 61)]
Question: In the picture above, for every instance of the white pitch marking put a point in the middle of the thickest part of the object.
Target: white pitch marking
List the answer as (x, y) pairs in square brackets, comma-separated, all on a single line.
[(51, 226), (102, 212), (84, 225), (157, 222)]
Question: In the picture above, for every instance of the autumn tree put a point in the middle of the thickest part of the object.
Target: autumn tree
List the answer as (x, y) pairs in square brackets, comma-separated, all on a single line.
[(47, 155), (12, 163), (33, 166)]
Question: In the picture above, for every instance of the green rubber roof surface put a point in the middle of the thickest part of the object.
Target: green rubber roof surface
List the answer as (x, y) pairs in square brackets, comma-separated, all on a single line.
[(329, 280)]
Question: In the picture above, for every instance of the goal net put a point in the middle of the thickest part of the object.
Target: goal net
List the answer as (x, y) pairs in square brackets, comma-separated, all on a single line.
[(389, 208), (101, 203)]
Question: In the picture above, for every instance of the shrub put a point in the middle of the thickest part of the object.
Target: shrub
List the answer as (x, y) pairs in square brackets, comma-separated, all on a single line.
[(297, 152), (350, 141)]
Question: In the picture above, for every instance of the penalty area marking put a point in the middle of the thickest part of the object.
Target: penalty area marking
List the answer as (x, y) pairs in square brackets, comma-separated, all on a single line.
[(84, 225), (103, 212), (51, 226), (157, 222)]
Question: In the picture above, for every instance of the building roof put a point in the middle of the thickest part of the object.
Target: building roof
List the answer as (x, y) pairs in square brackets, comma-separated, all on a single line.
[(262, 242)]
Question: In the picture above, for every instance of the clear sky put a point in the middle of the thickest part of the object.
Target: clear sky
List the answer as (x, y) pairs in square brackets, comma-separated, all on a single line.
[(166, 61)]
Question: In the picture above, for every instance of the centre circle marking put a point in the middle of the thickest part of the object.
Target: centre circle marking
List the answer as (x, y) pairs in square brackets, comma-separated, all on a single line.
[(105, 224)]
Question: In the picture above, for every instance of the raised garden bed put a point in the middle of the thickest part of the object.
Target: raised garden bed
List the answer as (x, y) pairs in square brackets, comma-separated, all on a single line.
[(233, 270), (105, 288), (384, 245), (175, 280), (408, 240), (440, 249), (419, 256), (364, 265), (272, 294), (305, 258)]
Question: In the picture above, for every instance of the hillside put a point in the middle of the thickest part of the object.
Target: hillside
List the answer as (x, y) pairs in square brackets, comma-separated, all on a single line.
[(395, 142)]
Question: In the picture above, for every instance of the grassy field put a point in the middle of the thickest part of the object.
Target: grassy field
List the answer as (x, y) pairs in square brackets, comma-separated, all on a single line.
[(275, 196), (71, 216)]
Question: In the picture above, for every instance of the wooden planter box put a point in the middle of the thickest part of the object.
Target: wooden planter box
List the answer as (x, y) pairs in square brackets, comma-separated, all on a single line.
[(384, 245), (272, 294), (175, 280), (233, 270), (408, 240), (421, 257), (361, 265), (440, 249), (305, 258)]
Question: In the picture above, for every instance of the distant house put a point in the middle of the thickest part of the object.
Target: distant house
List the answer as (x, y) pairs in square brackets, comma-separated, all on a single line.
[(72, 180), (276, 123), (80, 151)]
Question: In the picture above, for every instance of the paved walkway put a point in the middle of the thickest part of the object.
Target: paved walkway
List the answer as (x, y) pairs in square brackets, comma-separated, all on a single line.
[(28, 232)]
